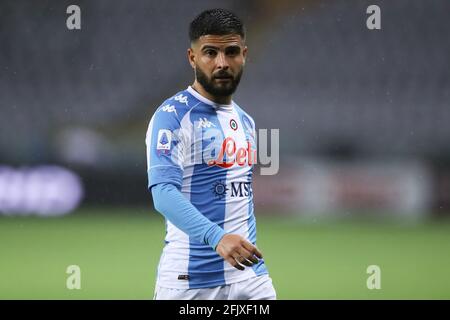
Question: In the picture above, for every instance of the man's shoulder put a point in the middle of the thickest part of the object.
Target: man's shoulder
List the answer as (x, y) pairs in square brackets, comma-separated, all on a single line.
[(179, 100), (175, 107)]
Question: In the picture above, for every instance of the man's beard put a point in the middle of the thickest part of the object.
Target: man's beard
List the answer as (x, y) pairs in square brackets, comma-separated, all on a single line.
[(218, 89)]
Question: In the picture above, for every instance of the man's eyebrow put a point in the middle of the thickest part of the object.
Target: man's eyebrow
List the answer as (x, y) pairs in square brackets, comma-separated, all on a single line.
[(233, 46), (210, 47)]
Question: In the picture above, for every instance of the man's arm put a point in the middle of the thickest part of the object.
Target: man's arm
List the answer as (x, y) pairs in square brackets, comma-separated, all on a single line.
[(169, 201)]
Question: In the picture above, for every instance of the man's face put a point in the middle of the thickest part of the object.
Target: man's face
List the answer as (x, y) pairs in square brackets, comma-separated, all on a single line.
[(218, 62)]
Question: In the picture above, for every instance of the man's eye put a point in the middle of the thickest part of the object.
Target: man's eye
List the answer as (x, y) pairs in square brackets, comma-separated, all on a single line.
[(210, 52), (233, 52)]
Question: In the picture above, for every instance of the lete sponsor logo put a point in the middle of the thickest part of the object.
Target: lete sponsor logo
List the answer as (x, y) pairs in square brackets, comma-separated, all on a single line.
[(229, 155)]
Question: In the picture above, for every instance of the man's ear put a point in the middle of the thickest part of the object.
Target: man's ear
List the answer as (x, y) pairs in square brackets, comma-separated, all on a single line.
[(244, 53), (191, 57)]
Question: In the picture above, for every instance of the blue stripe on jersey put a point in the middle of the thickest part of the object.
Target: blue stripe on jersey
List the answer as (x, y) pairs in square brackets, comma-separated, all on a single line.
[(251, 216), (206, 267), (260, 268)]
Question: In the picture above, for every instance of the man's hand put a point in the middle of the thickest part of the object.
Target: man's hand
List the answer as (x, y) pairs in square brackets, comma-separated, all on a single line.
[(238, 251)]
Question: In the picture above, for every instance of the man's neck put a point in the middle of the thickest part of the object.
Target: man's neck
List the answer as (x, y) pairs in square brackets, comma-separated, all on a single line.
[(220, 100)]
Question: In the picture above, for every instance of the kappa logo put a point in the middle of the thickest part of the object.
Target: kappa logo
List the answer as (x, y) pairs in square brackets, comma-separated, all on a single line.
[(181, 99), (169, 108), (205, 123)]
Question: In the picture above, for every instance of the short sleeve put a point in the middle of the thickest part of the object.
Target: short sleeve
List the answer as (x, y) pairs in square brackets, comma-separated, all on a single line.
[(164, 149)]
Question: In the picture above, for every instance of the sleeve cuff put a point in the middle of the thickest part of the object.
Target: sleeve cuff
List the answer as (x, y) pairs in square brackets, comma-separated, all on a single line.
[(214, 235)]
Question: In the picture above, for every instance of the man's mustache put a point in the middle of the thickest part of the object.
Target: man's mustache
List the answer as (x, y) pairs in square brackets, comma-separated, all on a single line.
[(222, 74)]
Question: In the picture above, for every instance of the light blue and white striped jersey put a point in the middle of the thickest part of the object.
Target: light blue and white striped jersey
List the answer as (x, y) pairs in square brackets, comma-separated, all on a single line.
[(208, 151)]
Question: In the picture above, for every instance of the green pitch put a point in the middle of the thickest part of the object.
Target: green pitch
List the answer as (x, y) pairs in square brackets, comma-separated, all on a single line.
[(118, 251)]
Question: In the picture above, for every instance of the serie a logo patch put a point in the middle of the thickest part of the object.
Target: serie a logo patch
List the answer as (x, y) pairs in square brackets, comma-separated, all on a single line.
[(183, 277), (164, 140)]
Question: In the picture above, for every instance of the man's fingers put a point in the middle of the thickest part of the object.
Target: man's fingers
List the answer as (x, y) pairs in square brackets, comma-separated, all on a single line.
[(254, 250), (234, 263), (248, 256), (258, 253), (238, 252), (241, 259), (244, 261)]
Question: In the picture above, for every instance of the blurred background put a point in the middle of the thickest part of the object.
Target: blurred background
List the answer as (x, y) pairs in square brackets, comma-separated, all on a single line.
[(363, 116)]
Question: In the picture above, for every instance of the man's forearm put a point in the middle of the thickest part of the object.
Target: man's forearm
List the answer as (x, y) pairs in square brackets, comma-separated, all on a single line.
[(171, 203)]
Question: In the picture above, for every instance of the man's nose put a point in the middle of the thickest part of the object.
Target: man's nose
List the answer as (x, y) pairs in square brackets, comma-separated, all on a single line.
[(222, 62)]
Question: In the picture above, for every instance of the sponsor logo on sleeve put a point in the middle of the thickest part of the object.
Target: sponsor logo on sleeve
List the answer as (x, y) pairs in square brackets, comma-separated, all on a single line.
[(169, 108), (164, 140), (181, 99)]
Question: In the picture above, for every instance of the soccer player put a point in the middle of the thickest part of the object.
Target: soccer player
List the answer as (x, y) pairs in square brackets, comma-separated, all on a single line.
[(201, 148)]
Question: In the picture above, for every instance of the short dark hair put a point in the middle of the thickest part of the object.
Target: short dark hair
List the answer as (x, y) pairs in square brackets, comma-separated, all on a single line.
[(216, 22)]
